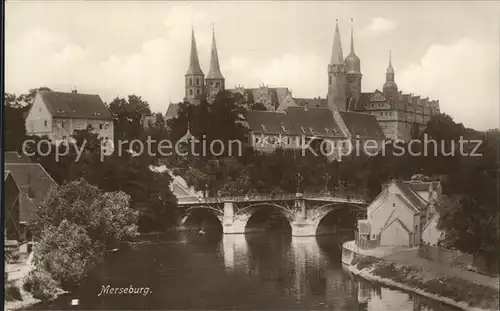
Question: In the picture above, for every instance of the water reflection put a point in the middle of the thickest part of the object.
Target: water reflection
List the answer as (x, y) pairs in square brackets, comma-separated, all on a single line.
[(238, 272)]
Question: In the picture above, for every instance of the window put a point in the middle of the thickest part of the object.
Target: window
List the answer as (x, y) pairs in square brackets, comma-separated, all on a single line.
[(45, 122), (197, 81), (198, 92), (329, 80), (303, 130), (374, 237), (190, 81), (217, 84), (62, 124), (283, 127), (393, 204), (311, 129), (327, 130), (191, 92), (101, 126), (264, 127)]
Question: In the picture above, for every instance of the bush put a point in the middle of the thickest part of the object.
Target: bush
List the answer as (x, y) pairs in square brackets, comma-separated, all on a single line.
[(41, 285), (67, 253), (12, 293)]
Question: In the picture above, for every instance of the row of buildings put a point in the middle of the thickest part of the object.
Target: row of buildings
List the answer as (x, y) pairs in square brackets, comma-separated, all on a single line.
[(396, 114)]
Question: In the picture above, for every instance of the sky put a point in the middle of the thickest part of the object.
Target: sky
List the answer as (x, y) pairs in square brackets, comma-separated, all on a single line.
[(442, 50)]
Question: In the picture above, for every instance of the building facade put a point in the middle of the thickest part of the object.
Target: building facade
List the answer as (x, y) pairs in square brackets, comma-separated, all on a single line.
[(401, 214), (57, 115), (401, 116)]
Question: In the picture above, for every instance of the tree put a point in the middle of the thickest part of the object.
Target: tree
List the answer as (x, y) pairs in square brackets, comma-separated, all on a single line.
[(105, 216), (128, 115), (67, 253)]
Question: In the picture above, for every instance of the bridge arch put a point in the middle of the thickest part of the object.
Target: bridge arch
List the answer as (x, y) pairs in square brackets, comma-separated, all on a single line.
[(334, 218), (253, 217), (198, 217)]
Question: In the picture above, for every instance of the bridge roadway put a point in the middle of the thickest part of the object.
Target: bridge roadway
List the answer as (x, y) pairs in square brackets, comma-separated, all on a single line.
[(303, 211)]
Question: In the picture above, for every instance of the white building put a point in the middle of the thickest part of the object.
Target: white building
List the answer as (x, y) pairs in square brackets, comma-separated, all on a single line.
[(57, 115), (399, 214)]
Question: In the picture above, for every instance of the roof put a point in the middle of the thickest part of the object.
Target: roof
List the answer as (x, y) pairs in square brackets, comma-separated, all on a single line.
[(34, 184), (311, 102), (194, 63), (397, 220), (214, 71), (75, 105), (15, 157), (294, 121), (422, 185), (411, 196), (408, 204), (172, 111), (5, 175), (364, 125)]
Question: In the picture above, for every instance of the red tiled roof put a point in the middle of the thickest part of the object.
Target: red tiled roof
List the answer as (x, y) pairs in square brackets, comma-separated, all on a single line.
[(34, 184), (75, 105)]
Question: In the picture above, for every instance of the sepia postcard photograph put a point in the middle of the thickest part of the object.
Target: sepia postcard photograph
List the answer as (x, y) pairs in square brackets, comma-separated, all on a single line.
[(250, 155)]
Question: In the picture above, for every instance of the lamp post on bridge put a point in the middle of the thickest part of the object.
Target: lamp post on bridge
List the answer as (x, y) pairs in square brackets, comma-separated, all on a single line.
[(299, 181), (327, 179)]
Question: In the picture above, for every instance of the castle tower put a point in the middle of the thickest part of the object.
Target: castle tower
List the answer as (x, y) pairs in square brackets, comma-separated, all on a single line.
[(337, 75), (353, 67), (390, 87), (194, 76), (215, 79)]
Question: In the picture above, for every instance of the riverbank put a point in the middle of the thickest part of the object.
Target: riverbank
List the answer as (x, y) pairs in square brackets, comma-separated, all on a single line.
[(16, 297), (450, 289)]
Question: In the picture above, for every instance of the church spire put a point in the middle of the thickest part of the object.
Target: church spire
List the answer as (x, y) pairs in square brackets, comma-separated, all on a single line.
[(194, 63), (352, 38), (390, 69), (390, 85), (337, 57), (214, 71)]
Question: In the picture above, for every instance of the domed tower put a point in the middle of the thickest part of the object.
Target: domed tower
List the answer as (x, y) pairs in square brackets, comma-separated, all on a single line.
[(337, 75), (194, 83), (353, 67), (390, 87), (215, 79)]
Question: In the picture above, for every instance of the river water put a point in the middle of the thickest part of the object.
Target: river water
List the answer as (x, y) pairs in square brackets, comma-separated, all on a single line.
[(238, 272)]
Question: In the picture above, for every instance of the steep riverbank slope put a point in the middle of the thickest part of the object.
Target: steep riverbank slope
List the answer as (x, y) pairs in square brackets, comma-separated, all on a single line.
[(453, 290)]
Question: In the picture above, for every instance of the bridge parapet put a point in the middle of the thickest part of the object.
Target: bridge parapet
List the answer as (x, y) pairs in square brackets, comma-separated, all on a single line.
[(354, 199)]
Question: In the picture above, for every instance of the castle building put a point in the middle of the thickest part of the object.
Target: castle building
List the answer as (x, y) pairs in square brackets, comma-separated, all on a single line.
[(399, 116)]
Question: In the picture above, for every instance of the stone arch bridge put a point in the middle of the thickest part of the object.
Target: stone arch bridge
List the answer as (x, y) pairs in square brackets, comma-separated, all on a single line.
[(304, 212)]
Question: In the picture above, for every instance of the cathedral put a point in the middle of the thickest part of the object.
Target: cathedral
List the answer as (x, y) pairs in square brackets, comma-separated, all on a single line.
[(399, 116)]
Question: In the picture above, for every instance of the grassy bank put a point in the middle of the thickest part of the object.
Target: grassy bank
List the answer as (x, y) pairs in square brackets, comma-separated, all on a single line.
[(453, 290)]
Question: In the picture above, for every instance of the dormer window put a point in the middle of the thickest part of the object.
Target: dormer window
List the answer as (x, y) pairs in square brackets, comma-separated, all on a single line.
[(45, 122), (327, 130), (264, 127), (303, 129), (311, 129), (283, 127)]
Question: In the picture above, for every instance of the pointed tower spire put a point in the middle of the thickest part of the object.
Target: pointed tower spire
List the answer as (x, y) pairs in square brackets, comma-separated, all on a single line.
[(214, 71), (194, 63), (390, 69), (337, 57), (352, 37)]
